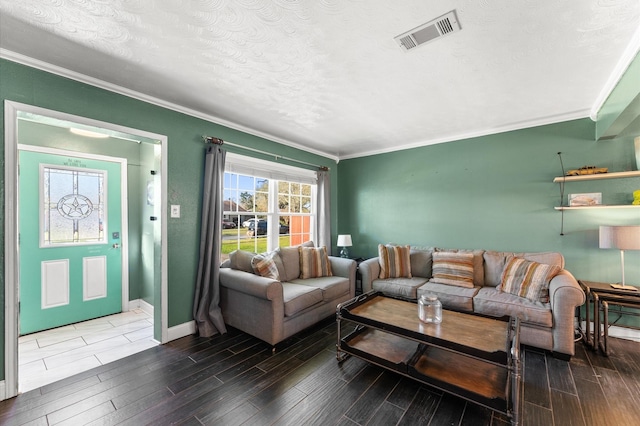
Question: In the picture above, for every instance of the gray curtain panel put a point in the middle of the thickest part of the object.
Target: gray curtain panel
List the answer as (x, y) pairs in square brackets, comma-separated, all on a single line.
[(206, 309), (323, 225)]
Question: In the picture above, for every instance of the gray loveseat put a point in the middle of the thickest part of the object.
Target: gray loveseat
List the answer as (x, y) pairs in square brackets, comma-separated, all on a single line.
[(273, 309), (546, 324)]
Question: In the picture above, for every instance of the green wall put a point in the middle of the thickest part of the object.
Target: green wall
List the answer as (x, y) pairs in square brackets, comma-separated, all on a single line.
[(185, 164), (493, 192)]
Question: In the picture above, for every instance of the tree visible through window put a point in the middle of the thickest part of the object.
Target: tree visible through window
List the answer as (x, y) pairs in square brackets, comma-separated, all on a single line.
[(261, 214)]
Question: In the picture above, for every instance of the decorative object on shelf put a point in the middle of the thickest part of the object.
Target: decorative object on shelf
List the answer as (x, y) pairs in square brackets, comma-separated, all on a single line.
[(622, 238), (587, 170), (344, 241), (636, 198), (586, 199), (430, 309)]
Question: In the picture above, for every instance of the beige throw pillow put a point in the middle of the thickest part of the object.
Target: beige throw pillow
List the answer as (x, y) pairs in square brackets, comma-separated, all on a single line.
[(528, 279), (265, 265), (453, 268), (314, 262), (395, 261)]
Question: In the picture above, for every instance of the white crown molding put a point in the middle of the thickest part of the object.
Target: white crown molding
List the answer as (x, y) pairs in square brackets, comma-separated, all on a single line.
[(47, 67), (621, 67), (63, 72), (491, 131)]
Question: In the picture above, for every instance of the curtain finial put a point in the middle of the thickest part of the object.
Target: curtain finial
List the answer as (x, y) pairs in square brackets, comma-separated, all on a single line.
[(215, 141)]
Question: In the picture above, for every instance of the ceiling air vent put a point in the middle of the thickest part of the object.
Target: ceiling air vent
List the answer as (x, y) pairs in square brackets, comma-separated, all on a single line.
[(439, 27)]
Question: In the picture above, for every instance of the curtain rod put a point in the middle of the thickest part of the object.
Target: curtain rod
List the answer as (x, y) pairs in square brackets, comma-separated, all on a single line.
[(217, 141)]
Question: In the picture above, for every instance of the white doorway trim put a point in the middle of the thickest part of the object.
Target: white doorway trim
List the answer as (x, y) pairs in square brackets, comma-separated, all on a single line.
[(11, 109)]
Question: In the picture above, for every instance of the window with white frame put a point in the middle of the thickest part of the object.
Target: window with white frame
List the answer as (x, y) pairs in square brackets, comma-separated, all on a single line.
[(266, 205)]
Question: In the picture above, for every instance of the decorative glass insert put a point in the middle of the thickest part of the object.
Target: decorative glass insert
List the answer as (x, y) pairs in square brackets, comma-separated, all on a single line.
[(74, 206)]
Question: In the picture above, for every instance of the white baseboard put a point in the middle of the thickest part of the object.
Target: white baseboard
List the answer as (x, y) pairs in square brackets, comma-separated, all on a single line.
[(181, 330), (619, 332), (141, 304), (3, 392), (624, 333)]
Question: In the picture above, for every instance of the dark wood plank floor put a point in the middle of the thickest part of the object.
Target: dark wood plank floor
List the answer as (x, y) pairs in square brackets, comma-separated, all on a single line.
[(235, 379)]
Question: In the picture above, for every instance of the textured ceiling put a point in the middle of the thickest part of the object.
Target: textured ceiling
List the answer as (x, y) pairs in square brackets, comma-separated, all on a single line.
[(326, 75)]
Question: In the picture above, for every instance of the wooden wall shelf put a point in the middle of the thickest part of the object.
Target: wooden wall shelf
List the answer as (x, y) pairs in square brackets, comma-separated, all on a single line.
[(622, 206), (616, 175)]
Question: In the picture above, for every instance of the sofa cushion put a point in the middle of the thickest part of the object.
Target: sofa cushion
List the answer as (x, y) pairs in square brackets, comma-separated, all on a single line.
[(453, 268), (452, 297), (527, 279), (395, 261), (331, 287), (314, 262), (495, 261), (491, 301), (241, 260), (478, 264), (399, 287), (421, 262), (547, 257), (265, 265), (290, 257), (299, 297)]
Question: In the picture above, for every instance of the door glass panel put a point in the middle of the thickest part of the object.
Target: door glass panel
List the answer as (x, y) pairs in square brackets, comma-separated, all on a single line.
[(73, 208)]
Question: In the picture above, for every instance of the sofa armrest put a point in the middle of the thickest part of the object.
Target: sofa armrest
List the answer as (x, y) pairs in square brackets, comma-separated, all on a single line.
[(565, 295), (254, 285), (565, 292), (346, 268), (369, 271)]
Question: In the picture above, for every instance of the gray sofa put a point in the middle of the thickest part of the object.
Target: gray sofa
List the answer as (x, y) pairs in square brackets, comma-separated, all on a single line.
[(275, 309), (547, 325)]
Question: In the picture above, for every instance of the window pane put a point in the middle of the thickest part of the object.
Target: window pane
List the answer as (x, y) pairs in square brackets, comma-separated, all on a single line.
[(74, 206), (283, 203), (247, 206), (262, 185), (305, 205), (299, 228), (283, 187)]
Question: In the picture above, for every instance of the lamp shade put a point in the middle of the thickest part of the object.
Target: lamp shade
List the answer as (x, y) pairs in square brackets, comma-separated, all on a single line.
[(620, 237), (344, 240)]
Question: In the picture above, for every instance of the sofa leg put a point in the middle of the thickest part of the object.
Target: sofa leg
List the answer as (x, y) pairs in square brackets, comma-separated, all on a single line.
[(560, 356)]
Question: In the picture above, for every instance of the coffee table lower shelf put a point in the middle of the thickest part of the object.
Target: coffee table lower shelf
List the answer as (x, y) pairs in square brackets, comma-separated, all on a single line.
[(469, 378)]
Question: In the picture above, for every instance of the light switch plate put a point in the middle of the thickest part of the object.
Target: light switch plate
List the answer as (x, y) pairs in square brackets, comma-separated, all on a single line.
[(175, 210)]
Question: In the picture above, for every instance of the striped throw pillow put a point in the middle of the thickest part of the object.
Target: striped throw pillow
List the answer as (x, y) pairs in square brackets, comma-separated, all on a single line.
[(453, 268), (395, 261), (314, 262), (265, 265), (528, 279)]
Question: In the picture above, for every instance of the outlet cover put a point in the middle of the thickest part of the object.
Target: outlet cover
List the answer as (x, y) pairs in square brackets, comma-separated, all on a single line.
[(175, 210)]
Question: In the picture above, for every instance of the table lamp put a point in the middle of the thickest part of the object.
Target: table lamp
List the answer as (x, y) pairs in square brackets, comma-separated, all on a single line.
[(344, 241), (622, 238)]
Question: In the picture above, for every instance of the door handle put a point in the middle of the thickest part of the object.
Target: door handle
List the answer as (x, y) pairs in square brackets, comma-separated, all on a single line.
[(116, 246)]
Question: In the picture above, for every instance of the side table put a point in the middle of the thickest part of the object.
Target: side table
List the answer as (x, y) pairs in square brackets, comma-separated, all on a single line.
[(358, 260), (602, 295)]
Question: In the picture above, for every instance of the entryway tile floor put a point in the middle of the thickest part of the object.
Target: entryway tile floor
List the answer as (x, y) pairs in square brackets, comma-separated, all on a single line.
[(48, 356)]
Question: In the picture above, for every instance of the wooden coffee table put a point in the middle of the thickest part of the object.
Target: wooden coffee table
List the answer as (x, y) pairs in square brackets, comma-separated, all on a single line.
[(474, 357)]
